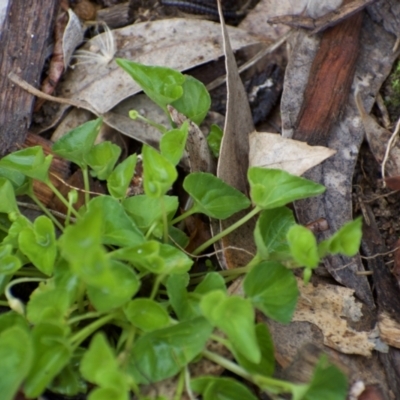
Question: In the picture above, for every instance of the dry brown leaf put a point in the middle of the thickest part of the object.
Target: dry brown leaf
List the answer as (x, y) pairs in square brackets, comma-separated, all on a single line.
[(199, 155), (271, 150), (233, 160), (102, 84), (328, 307)]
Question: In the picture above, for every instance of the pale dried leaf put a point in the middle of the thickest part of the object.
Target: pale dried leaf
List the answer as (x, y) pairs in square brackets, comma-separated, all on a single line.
[(72, 37), (328, 307), (270, 150), (255, 20), (163, 42)]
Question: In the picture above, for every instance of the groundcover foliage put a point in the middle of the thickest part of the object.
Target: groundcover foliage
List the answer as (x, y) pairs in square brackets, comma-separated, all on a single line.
[(115, 305)]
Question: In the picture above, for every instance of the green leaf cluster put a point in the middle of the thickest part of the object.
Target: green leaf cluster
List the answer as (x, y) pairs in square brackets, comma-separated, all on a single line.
[(113, 303)]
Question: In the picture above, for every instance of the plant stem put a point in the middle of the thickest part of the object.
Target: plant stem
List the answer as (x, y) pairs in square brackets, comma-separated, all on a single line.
[(165, 219), (180, 385), (227, 364), (81, 296), (86, 185), (220, 340), (156, 285), (187, 384), (13, 302), (46, 211), (84, 316), (184, 215), (32, 273), (266, 383), (227, 231), (62, 199), (80, 336), (3, 228), (4, 303), (159, 127)]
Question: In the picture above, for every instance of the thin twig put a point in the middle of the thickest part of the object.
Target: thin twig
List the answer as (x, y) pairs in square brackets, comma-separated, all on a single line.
[(209, 254), (380, 254), (31, 206), (36, 92), (74, 187), (389, 146)]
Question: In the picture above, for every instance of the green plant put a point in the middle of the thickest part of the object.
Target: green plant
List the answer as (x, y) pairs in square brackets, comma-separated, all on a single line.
[(116, 305)]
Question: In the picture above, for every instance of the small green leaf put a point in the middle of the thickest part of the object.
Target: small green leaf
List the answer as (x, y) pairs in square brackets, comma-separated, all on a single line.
[(117, 286), (172, 143), (117, 228), (38, 243), (163, 353), (146, 314), (107, 393), (195, 101), (19, 181), (158, 173), (101, 159), (9, 263), (51, 354), (120, 179), (272, 188), (272, 289), (177, 238), (212, 281), (76, 144), (146, 211), (156, 257), (270, 233), (69, 382), (327, 383), (12, 319), (8, 203), (214, 139), (235, 317), (184, 305), (30, 162), (267, 363), (212, 388), (303, 246), (163, 85), (81, 241), (98, 360), (19, 223), (16, 357), (345, 241), (44, 298), (213, 197)]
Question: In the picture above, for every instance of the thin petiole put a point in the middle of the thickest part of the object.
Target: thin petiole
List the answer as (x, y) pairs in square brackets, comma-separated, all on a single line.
[(227, 231)]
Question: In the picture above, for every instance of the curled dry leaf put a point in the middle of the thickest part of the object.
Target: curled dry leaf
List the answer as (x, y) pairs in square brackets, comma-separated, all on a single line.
[(68, 35), (72, 37), (271, 150)]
